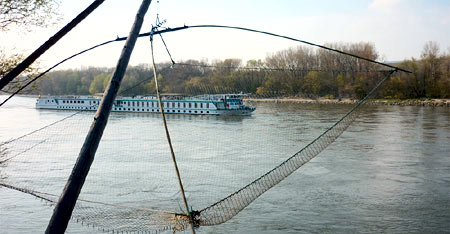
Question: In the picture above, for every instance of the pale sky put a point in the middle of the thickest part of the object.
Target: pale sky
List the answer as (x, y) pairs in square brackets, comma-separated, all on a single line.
[(398, 28)]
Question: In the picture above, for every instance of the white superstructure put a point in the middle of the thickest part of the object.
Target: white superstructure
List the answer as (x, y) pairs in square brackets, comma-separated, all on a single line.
[(217, 104)]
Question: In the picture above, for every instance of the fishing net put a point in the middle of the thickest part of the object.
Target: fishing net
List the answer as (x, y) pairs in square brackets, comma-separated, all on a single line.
[(131, 186)]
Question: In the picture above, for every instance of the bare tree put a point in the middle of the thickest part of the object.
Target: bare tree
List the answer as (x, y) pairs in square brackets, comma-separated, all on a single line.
[(431, 63), (27, 13), (8, 62)]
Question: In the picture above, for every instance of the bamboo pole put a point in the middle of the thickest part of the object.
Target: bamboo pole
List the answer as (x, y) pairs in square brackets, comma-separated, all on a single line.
[(63, 210), (172, 153), (49, 43)]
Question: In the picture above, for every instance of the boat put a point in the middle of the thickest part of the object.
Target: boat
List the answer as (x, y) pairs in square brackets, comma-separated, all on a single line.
[(209, 104)]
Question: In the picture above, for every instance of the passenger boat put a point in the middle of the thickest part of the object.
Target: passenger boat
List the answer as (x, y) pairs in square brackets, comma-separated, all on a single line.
[(211, 104)]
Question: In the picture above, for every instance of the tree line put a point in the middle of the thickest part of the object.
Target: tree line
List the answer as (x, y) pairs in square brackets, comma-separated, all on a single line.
[(300, 71)]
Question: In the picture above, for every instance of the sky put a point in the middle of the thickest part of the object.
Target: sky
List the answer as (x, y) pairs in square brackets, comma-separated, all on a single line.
[(398, 29)]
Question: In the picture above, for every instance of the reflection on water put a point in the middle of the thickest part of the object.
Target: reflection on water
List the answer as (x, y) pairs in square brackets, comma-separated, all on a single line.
[(389, 172)]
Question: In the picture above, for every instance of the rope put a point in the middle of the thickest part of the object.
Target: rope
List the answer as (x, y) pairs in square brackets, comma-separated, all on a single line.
[(54, 66), (188, 214), (167, 49), (166, 30), (301, 41), (273, 69), (205, 26)]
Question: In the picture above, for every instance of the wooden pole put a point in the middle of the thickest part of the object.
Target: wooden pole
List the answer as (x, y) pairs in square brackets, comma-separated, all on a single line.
[(49, 43), (63, 210), (172, 153)]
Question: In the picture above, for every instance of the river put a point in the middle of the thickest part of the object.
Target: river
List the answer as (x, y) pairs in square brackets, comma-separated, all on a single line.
[(389, 172)]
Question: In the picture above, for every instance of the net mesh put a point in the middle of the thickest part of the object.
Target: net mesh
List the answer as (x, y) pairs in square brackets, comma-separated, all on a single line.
[(131, 186), (228, 207)]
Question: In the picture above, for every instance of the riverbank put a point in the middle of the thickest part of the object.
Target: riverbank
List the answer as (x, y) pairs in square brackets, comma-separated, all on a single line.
[(398, 102)]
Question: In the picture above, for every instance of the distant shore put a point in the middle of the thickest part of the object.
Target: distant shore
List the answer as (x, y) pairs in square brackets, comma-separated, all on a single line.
[(392, 102), (397, 102)]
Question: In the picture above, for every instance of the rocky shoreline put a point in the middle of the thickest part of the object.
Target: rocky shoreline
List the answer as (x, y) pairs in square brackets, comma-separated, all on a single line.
[(396, 102)]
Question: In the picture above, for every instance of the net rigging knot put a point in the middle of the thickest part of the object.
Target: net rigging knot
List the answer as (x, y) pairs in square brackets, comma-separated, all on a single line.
[(195, 216), (182, 221)]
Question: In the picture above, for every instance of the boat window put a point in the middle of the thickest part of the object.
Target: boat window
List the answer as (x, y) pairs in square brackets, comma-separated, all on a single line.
[(195, 105), (207, 105), (189, 105)]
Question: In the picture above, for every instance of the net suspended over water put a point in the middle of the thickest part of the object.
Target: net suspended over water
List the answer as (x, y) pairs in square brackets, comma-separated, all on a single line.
[(131, 187), (134, 201)]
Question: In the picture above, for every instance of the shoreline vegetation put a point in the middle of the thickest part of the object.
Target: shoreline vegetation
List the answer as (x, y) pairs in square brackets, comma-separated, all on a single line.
[(435, 102), (295, 72), (392, 102)]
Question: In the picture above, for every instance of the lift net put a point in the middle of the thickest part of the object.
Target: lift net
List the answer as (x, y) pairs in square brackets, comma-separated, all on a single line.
[(131, 186), (228, 207), (40, 162)]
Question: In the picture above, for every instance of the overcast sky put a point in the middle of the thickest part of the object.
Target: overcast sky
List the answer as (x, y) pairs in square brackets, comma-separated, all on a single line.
[(397, 28)]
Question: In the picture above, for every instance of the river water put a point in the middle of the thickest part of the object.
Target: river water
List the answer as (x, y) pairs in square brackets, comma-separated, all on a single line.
[(388, 173)]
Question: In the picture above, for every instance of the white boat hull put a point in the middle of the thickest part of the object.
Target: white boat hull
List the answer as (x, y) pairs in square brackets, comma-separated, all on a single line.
[(204, 105)]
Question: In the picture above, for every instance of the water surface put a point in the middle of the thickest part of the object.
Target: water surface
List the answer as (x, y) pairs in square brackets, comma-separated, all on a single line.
[(388, 173)]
